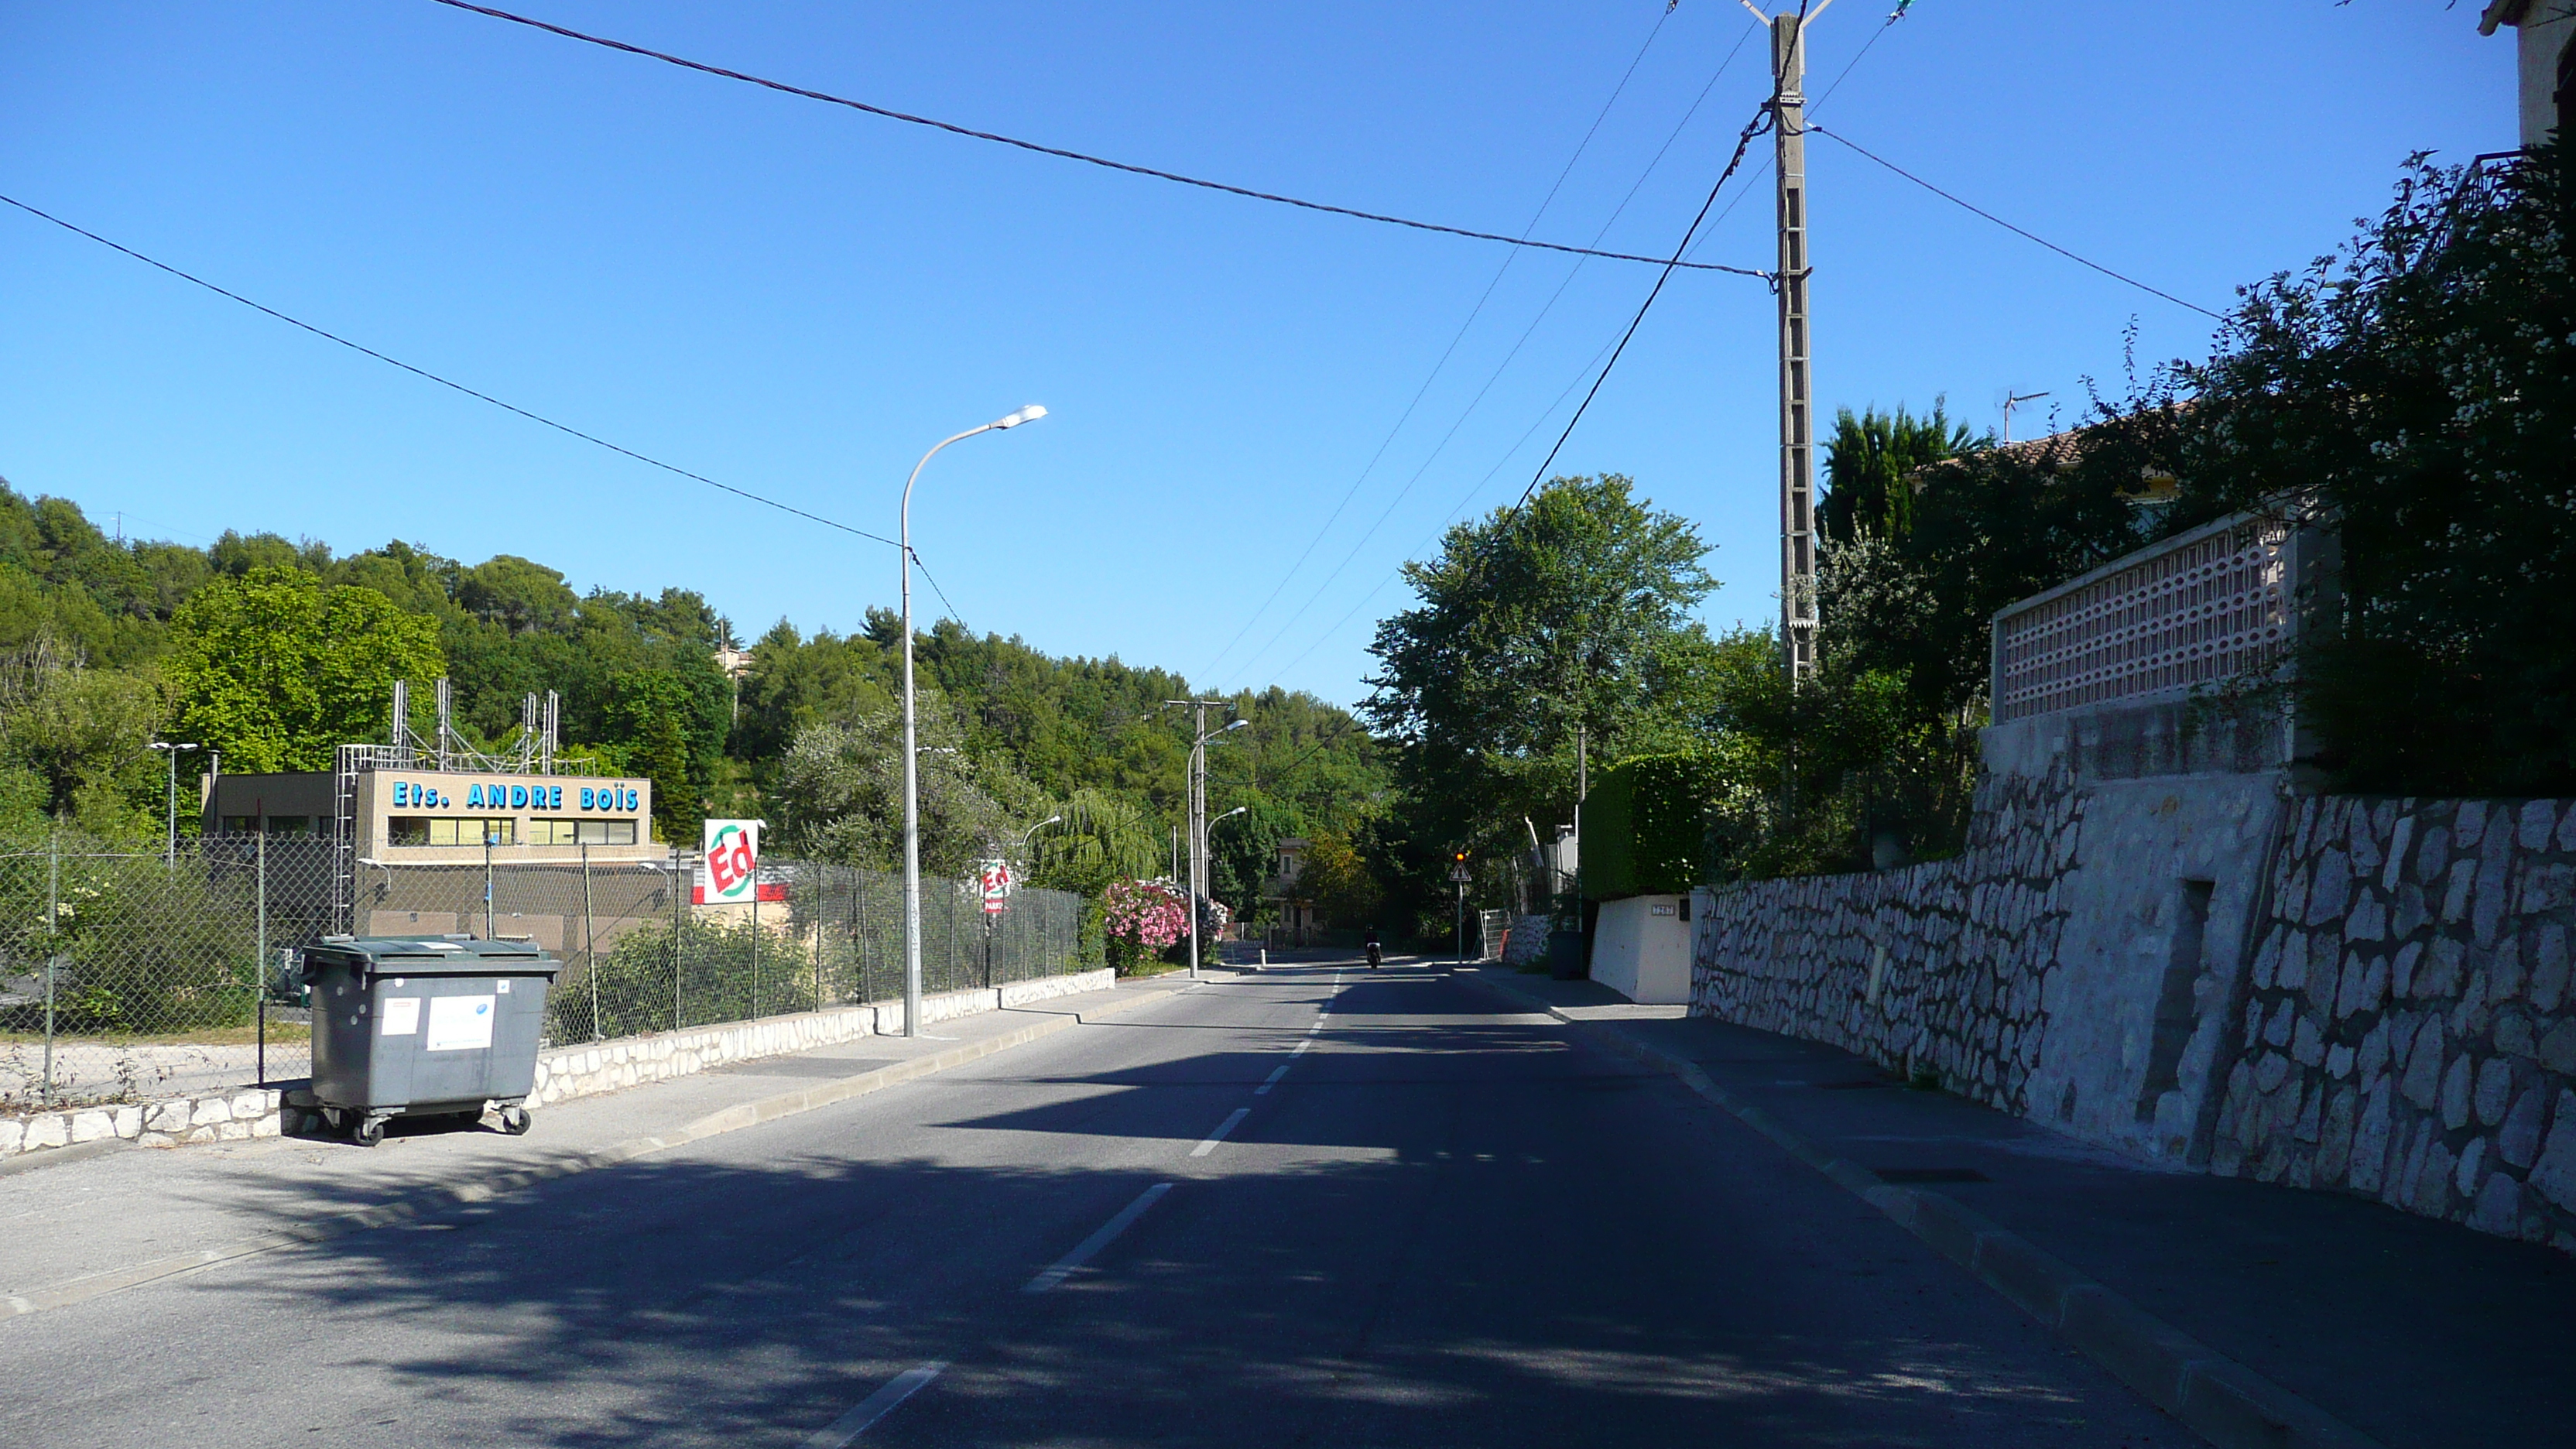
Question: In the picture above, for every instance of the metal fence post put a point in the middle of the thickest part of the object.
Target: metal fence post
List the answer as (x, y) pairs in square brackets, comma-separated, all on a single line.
[(590, 945), (53, 957), (755, 940), (679, 914), (259, 947), (819, 881)]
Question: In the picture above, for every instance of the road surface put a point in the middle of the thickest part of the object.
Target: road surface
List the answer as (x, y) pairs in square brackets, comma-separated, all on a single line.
[(1314, 1206)]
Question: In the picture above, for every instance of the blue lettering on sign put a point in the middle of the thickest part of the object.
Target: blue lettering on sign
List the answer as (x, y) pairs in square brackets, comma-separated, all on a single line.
[(518, 797), (586, 793), (554, 797), (474, 797), (402, 793)]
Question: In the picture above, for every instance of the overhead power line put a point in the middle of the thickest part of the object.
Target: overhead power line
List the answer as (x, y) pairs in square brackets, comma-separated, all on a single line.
[(1478, 310), (445, 382), (1743, 142), (1870, 155), (1062, 153)]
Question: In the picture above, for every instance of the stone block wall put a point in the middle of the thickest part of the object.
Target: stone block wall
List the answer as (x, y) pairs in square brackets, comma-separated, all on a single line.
[(1942, 967), (2410, 1033)]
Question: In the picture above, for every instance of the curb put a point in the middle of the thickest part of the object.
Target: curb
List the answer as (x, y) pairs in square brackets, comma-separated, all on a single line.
[(487, 1189), (2213, 1395)]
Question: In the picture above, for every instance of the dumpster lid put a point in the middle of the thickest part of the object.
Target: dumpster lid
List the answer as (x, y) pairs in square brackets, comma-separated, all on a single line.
[(423, 955)]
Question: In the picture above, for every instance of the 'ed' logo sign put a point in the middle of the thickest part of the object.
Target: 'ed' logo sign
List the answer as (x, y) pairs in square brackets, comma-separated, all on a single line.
[(733, 859)]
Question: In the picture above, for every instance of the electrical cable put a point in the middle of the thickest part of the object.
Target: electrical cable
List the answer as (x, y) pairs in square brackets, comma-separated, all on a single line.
[(425, 373), (1446, 353), (1870, 155), (1743, 143), (1496, 376), (936, 589), (1061, 153)]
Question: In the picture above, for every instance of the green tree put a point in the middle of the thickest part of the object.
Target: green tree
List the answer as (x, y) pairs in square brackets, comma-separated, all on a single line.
[(1537, 627), (78, 741), (276, 668), (2418, 388), (841, 793), (1870, 461)]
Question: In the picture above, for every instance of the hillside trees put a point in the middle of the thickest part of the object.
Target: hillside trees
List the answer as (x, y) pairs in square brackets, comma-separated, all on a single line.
[(276, 668)]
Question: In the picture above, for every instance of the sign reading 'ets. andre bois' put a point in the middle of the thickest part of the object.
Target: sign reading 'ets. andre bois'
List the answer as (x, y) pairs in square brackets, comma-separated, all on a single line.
[(615, 798)]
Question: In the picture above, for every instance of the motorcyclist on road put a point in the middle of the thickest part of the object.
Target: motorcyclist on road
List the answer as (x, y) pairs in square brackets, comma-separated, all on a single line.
[(1374, 950)]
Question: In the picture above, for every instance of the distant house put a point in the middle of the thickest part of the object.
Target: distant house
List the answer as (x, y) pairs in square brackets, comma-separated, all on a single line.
[(1293, 913), (2542, 30)]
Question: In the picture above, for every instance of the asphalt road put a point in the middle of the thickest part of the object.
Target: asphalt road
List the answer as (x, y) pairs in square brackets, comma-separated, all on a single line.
[(1308, 1207)]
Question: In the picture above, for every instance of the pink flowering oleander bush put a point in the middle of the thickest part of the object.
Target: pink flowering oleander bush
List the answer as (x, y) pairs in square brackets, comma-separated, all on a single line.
[(1142, 919)]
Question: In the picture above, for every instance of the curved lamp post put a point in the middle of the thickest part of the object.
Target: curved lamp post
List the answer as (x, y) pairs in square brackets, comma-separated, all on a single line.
[(911, 760)]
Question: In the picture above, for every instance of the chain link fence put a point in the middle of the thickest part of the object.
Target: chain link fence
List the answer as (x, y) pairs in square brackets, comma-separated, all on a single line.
[(128, 975)]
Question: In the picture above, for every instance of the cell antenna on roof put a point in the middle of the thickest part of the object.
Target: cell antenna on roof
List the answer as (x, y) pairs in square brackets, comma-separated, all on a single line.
[(553, 737), (446, 720)]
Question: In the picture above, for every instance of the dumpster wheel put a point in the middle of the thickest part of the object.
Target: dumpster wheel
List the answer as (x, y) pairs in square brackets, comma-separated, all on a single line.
[(367, 1131), (515, 1120)]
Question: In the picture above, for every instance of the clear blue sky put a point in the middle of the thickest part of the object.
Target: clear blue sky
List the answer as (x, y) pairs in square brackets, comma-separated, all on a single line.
[(799, 299)]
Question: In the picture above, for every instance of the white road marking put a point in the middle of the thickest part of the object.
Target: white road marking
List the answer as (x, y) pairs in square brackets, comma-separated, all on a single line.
[(1222, 1128), (1065, 1267), (1301, 1048), (1264, 1089), (846, 1429)]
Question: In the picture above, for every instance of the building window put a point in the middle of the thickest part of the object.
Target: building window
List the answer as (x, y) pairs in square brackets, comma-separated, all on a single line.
[(298, 825), (429, 830), (581, 832)]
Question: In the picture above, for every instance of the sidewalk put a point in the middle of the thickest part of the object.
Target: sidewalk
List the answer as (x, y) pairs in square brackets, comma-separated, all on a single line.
[(2412, 1331), (79, 1226)]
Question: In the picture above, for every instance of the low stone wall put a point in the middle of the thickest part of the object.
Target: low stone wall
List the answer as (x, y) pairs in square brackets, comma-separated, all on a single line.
[(563, 1073), (235, 1115), (2409, 1033)]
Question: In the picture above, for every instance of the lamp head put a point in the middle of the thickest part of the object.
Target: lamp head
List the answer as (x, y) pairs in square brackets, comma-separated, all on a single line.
[(1029, 414), (1238, 724)]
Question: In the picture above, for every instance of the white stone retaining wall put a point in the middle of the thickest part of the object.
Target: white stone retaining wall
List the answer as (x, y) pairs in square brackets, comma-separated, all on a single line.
[(2410, 1034), (1941, 967), (563, 1073)]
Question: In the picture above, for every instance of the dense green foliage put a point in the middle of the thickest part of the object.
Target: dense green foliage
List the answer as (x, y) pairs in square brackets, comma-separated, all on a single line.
[(1645, 825), (1558, 626), (2419, 388)]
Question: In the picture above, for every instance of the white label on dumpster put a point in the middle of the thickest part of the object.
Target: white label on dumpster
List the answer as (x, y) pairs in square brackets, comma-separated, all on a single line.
[(402, 1015), (459, 1023)]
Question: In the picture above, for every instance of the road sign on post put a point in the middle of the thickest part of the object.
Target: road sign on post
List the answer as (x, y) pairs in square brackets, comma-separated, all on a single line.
[(994, 876), (1460, 875)]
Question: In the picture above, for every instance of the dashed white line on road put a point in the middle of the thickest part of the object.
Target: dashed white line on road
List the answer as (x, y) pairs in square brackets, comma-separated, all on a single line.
[(1264, 1089), (1222, 1128), (1065, 1267), (1301, 1048), (846, 1429)]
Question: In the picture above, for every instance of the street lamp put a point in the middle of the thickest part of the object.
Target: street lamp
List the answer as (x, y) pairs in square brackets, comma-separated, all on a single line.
[(1032, 832), (172, 752), (911, 759)]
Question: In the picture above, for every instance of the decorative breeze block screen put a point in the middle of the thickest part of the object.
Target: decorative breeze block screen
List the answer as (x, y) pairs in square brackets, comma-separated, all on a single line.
[(2203, 607)]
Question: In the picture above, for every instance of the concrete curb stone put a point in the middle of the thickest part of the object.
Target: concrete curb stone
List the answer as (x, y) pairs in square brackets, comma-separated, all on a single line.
[(2213, 1395)]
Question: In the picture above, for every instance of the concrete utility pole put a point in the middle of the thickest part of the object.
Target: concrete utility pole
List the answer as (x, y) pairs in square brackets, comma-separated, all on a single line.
[(1195, 809), (1797, 409)]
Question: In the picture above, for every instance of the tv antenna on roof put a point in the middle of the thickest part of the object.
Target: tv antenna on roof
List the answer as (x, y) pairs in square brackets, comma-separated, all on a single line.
[(2010, 400)]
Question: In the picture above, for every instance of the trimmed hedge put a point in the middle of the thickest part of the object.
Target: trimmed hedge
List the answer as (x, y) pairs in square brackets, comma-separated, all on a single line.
[(1645, 827)]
